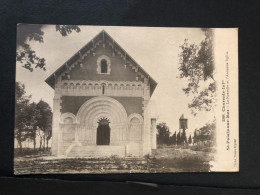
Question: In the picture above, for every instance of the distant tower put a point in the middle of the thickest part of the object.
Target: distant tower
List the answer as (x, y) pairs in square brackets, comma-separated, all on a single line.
[(183, 123)]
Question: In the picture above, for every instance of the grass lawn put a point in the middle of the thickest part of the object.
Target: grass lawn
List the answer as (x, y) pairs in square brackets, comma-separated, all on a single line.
[(163, 159)]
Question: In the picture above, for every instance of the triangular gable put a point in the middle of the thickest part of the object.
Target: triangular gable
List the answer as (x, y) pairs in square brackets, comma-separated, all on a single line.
[(104, 36)]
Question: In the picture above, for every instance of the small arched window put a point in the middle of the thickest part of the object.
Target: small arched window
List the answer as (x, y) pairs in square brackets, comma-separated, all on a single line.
[(103, 66), (68, 120)]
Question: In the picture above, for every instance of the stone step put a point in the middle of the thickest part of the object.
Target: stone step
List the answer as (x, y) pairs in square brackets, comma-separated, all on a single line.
[(96, 151)]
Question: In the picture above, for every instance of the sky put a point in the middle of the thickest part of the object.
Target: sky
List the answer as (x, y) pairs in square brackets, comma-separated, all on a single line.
[(155, 49)]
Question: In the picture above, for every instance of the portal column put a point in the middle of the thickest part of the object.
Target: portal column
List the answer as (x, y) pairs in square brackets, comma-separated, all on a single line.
[(56, 137), (153, 133), (146, 136)]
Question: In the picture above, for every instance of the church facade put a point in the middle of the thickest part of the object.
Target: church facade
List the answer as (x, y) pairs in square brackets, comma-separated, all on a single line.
[(100, 103)]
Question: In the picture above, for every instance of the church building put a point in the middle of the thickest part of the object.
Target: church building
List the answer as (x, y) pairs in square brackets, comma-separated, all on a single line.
[(100, 103)]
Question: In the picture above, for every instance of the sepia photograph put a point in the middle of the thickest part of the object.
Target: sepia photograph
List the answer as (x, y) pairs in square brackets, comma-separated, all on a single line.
[(110, 99)]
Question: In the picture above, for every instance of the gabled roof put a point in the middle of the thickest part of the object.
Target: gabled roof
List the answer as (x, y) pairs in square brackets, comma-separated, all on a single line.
[(182, 116), (101, 36)]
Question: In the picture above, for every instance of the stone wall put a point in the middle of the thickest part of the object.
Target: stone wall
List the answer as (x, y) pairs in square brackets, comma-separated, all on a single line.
[(119, 72)]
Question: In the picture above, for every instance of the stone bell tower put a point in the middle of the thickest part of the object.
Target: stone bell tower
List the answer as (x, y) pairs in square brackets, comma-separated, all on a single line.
[(183, 123)]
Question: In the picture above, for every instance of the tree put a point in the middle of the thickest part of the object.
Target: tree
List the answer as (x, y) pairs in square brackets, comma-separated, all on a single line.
[(21, 103), (40, 134), (48, 136), (190, 141), (207, 132), (173, 139), (32, 119), (196, 136), (25, 116), (196, 63), (163, 133), (26, 33), (179, 138), (44, 122), (183, 137)]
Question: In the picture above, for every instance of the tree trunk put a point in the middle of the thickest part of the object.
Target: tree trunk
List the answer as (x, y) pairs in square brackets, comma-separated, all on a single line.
[(47, 143), (34, 138), (44, 138), (20, 146), (34, 143), (40, 143)]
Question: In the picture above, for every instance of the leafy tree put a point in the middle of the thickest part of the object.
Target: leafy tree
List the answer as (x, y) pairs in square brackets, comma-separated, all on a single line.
[(25, 116), (26, 33), (40, 134), (196, 136), (32, 116), (179, 138), (21, 103), (173, 139), (44, 122), (190, 141), (183, 137), (197, 65), (48, 135), (207, 132), (163, 133)]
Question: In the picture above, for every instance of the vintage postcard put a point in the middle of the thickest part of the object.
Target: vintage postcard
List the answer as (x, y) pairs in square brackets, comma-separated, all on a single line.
[(108, 99)]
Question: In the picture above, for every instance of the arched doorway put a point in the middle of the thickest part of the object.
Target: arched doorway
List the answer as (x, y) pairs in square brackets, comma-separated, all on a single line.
[(102, 107), (103, 132)]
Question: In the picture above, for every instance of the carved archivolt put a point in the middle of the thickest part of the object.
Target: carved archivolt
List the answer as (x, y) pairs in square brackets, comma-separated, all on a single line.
[(98, 107), (100, 58), (135, 115), (68, 115)]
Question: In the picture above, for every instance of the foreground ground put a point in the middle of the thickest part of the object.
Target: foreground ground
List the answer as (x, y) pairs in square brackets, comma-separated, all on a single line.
[(163, 159)]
